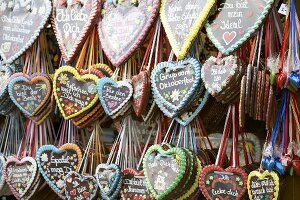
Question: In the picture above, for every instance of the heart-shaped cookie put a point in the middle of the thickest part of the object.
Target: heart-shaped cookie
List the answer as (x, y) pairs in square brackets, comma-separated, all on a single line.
[(141, 92), (55, 163), (113, 95), (164, 169), (134, 186), (217, 73), (72, 23), (263, 185), (78, 186), (182, 20), (21, 24), (74, 93), (109, 179), (174, 83), (29, 94), (20, 175), (217, 183), (235, 22), (124, 27)]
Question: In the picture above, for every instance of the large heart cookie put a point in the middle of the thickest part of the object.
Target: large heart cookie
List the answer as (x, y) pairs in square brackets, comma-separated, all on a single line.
[(124, 27), (174, 83), (74, 93), (21, 23), (78, 186), (5, 73), (55, 163), (235, 22), (109, 179), (182, 20), (20, 175), (217, 183), (29, 94), (164, 169), (113, 95), (263, 185), (134, 186), (72, 23)]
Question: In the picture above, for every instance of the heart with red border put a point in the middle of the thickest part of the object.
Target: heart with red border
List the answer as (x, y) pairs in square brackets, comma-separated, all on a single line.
[(235, 22), (124, 27), (217, 73), (55, 163), (74, 93), (141, 92), (114, 95), (78, 186), (72, 24), (30, 94), (20, 175), (21, 23), (134, 186), (217, 183)]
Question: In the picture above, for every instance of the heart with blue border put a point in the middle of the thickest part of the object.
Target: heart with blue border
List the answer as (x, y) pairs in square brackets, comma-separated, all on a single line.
[(235, 22), (109, 179), (55, 163), (113, 95), (29, 94), (174, 83)]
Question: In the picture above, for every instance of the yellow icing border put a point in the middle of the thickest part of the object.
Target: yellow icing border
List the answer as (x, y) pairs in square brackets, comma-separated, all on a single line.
[(79, 78), (181, 53), (262, 176)]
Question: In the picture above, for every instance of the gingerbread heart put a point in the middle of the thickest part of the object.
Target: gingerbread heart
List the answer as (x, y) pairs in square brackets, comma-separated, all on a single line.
[(263, 185), (74, 93), (217, 73), (217, 183), (163, 169), (174, 83), (134, 186), (21, 24), (182, 20), (20, 175), (72, 23), (55, 163), (113, 95), (141, 92), (78, 186), (29, 94), (124, 27), (235, 22), (109, 179)]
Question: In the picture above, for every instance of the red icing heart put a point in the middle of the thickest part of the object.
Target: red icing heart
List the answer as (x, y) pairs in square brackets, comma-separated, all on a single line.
[(86, 194), (73, 192), (228, 37), (215, 182)]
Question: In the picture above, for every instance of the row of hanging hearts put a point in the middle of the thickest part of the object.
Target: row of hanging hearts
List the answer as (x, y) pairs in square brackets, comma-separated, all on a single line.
[(124, 25)]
